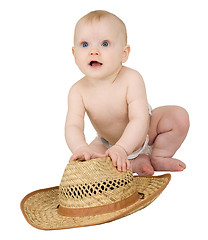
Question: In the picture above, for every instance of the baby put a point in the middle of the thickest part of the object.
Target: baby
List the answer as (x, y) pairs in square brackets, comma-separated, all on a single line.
[(114, 98)]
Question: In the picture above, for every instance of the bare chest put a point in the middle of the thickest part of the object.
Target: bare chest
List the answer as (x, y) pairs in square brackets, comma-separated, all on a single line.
[(106, 106)]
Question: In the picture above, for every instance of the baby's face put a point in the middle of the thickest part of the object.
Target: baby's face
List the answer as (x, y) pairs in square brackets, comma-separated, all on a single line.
[(99, 47)]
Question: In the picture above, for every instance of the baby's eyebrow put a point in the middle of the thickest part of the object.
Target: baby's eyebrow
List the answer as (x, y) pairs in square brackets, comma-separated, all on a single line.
[(110, 40), (81, 42)]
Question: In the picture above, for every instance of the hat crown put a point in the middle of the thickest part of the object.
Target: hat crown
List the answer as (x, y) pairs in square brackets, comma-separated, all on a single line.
[(94, 183)]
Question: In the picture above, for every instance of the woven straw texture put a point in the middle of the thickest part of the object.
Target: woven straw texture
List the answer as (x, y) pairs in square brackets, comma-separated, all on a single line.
[(80, 188), (40, 207)]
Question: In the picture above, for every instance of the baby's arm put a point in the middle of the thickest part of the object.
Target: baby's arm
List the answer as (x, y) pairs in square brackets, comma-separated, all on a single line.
[(136, 130), (133, 135), (74, 127)]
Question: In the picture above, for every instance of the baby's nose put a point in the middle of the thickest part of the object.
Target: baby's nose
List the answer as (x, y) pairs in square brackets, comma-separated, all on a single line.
[(94, 52)]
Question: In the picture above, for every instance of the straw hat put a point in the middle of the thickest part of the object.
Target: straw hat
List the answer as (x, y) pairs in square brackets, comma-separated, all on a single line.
[(91, 192)]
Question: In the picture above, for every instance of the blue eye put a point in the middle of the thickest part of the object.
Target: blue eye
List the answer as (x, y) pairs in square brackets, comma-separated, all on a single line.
[(84, 44), (105, 44)]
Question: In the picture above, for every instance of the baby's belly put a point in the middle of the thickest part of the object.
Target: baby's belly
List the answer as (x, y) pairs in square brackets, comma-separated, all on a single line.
[(110, 129)]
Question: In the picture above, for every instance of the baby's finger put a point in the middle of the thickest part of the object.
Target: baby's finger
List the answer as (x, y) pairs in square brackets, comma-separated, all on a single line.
[(77, 156), (123, 166), (87, 156), (128, 164), (119, 164), (114, 158), (74, 157)]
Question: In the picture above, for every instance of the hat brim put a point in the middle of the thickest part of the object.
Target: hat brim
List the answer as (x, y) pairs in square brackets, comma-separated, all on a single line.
[(40, 207)]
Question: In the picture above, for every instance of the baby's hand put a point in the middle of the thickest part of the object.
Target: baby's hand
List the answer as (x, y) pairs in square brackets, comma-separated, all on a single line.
[(119, 157), (85, 153)]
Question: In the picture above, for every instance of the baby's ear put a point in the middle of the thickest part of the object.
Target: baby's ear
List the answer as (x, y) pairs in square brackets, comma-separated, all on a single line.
[(73, 50), (126, 52)]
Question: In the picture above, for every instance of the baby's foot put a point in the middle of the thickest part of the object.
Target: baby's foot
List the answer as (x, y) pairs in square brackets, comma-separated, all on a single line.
[(167, 164), (142, 165)]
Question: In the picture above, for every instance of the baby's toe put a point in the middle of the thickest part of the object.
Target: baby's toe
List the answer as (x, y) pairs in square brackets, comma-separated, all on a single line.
[(181, 166)]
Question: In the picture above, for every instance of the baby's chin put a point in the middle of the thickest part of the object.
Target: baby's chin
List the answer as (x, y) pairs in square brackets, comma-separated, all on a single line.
[(95, 73), (101, 72)]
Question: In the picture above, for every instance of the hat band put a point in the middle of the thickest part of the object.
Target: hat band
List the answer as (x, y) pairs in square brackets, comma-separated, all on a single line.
[(92, 211)]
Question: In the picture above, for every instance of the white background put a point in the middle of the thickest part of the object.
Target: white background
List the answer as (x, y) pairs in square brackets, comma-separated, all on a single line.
[(169, 47)]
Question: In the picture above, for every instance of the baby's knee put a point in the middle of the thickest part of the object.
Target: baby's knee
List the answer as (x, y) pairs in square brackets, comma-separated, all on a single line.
[(181, 120)]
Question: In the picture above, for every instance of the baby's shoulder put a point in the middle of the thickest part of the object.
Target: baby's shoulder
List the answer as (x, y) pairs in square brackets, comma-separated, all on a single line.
[(78, 86), (132, 76)]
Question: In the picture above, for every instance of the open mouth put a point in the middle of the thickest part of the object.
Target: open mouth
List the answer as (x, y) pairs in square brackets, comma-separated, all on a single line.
[(95, 64)]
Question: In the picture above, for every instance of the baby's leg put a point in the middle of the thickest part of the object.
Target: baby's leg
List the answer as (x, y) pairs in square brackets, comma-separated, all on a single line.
[(168, 129), (98, 146)]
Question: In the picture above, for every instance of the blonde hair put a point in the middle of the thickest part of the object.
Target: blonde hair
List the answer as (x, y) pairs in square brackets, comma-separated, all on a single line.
[(100, 14)]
